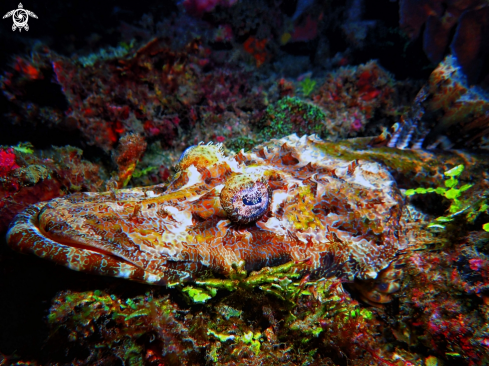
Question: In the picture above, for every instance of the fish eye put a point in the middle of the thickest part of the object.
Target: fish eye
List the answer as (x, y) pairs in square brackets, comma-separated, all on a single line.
[(245, 198), (250, 201)]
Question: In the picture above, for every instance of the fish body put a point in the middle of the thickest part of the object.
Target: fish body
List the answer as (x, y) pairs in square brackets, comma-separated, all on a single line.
[(286, 200)]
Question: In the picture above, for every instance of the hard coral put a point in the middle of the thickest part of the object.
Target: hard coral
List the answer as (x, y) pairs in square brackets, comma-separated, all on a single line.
[(351, 96), (42, 175), (25, 67), (470, 44), (156, 91), (142, 330), (442, 307)]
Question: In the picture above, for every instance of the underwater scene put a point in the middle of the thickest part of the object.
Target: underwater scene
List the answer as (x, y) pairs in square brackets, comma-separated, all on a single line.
[(244, 182)]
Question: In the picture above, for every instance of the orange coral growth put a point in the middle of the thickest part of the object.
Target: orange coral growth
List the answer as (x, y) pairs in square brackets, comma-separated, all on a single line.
[(351, 97), (25, 67), (256, 48), (130, 151), (365, 85)]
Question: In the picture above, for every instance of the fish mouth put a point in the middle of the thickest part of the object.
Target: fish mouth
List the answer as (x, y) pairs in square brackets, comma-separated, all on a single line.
[(72, 243), (53, 226), (39, 230)]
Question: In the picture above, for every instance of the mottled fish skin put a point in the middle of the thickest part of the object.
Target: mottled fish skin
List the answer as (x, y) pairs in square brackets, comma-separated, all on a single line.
[(286, 200)]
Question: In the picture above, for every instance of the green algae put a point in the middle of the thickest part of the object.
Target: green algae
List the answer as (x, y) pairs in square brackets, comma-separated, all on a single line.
[(292, 115), (307, 86), (240, 142), (459, 203), (266, 276), (108, 53), (142, 172), (24, 147), (199, 295)]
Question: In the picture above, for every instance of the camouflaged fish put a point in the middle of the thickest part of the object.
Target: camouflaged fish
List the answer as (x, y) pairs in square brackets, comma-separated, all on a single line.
[(286, 200)]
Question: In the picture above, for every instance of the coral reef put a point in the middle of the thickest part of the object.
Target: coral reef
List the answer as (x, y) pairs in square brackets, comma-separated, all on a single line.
[(453, 193), (137, 331), (159, 331), (350, 97), (28, 176), (317, 323), (367, 247), (152, 91), (446, 305)]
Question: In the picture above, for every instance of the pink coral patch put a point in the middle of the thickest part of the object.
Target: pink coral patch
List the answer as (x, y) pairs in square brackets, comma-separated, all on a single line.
[(7, 161)]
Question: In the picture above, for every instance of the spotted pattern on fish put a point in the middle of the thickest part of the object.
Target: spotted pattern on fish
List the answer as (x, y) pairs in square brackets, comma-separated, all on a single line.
[(286, 200)]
